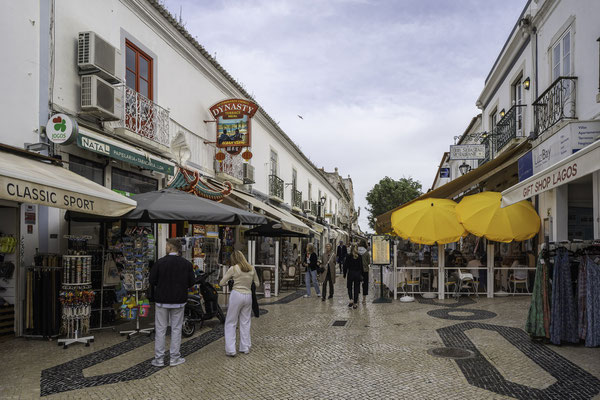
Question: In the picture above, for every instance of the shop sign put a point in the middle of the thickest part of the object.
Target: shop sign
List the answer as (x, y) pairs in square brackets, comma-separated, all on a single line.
[(29, 192), (61, 129), (568, 170), (467, 152), (118, 153), (525, 166), (233, 119), (570, 139), (445, 172)]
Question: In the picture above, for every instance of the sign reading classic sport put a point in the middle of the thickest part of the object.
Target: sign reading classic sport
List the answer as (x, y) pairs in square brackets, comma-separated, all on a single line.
[(27, 192), (233, 122)]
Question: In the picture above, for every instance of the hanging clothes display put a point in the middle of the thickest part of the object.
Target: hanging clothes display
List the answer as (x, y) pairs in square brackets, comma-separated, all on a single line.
[(538, 320), (590, 320), (563, 323), (42, 301)]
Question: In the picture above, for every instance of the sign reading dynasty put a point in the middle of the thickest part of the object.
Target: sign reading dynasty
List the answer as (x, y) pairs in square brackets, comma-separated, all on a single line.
[(233, 123)]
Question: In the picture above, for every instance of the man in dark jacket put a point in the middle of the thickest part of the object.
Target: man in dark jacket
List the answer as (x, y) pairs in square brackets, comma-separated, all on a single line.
[(341, 254), (172, 275)]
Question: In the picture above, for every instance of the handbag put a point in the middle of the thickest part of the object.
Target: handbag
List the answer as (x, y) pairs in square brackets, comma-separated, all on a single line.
[(255, 308)]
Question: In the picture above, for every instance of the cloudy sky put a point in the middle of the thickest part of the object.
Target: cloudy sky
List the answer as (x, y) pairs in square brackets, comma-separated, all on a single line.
[(382, 85)]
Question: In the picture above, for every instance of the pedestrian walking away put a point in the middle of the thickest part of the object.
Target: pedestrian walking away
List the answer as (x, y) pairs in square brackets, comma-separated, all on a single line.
[(328, 274), (353, 270), (341, 254), (171, 276), (311, 262), (240, 303), (366, 265)]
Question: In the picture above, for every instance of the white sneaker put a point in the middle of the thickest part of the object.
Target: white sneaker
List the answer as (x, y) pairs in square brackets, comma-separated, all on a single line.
[(158, 363), (306, 296), (180, 360)]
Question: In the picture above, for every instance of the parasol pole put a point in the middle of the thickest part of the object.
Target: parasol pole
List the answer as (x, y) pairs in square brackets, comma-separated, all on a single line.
[(441, 266)]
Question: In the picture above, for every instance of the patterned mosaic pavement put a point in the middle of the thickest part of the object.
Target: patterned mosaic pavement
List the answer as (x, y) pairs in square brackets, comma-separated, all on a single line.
[(301, 350)]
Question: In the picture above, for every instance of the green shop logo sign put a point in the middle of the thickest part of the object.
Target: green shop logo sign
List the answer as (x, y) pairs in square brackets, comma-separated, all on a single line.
[(61, 129), (118, 153)]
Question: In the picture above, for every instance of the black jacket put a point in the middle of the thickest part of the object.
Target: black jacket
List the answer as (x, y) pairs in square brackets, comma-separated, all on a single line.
[(312, 262), (353, 267), (172, 276), (341, 253)]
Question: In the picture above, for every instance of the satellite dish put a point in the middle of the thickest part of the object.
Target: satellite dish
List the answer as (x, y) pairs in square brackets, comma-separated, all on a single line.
[(180, 149)]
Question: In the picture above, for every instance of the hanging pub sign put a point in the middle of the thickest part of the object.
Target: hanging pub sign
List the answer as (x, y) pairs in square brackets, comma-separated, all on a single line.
[(61, 129), (467, 152), (233, 118)]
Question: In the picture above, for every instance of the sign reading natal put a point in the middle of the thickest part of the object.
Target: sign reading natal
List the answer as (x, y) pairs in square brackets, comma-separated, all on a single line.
[(233, 123)]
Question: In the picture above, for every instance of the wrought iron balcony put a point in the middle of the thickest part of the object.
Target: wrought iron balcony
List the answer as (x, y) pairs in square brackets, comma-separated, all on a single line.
[(296, 198), (144, 118), (555, 104), (276, 187), (509, 127), (231, 166)]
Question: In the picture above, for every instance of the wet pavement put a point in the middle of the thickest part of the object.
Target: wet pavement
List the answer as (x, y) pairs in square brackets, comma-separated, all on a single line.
[(303, 348)]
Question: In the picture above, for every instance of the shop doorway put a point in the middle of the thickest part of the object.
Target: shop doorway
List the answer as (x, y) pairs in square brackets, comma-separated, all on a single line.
[(581, 209)]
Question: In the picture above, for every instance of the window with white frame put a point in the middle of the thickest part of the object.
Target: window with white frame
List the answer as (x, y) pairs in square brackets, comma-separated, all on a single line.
[(309, 191), (274, 163), (517, 100), (561, 56)]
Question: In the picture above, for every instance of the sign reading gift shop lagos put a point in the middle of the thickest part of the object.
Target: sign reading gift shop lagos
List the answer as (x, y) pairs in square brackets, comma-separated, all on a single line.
[(107, 148), (233, 119)]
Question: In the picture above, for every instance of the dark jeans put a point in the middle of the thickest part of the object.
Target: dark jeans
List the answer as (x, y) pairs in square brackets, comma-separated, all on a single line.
[(353, 288), (328, 279), (365, 283)]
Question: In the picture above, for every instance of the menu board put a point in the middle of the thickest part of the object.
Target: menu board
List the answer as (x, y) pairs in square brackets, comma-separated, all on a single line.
[(380, 246)]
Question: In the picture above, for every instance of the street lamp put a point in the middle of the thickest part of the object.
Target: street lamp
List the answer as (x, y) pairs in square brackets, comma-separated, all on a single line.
[(464, 168)]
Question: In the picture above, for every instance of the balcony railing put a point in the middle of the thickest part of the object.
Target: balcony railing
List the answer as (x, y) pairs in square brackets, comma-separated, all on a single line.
[(276, 186), (509, 127), (144, 117), (555, 104), (296, 198), (232, 166)]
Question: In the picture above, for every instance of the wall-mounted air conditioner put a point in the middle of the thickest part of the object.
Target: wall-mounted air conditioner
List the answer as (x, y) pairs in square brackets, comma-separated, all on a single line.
[(100, 99), (248, 174), (306, 206), (96, 56)]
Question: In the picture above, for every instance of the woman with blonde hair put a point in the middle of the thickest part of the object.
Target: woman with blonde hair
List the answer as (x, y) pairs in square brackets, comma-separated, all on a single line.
[(311, 263), (240, 303), (354, 270)]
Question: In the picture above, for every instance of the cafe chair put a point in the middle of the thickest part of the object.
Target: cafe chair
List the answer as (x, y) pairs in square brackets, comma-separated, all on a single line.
[(519, 277), (466, 281), (290, 277), (414, 283)]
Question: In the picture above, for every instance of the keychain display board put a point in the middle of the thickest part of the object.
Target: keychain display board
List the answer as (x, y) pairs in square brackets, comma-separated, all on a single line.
[(76, 298)]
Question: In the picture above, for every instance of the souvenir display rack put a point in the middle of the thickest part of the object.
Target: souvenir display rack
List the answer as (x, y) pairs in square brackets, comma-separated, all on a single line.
[(137, 247), (76, 298)]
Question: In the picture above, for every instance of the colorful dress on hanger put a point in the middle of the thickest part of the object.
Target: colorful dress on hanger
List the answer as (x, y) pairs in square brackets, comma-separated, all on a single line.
[(563, 322), (538, 320), (592, 332)]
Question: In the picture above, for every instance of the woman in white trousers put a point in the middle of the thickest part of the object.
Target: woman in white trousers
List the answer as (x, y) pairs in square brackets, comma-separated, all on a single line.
[(240, 303)]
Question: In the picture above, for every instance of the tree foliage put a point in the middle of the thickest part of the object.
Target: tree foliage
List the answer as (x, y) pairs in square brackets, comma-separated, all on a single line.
[(389, 194)]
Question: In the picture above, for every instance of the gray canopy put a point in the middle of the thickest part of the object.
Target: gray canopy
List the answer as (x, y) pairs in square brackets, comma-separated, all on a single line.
[(171, 205)]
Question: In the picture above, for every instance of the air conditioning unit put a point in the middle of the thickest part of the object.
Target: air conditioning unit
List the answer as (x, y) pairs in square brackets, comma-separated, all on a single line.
[(96, 56), (100, 99), (248, 173), (306, 206)]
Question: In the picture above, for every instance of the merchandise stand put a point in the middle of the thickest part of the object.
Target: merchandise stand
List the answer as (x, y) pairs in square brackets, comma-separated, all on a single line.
[(137, 330), (76, 299)]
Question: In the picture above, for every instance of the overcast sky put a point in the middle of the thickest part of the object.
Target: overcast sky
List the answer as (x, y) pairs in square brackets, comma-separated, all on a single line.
[(382, 85)]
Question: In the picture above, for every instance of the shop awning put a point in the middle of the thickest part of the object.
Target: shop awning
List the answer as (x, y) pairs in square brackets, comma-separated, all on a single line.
[(288, 221), (28, 180), (460, 184), (577, 165)]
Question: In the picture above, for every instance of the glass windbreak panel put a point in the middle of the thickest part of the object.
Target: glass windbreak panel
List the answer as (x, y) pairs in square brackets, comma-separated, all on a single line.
[(131, 182), (88, 169)]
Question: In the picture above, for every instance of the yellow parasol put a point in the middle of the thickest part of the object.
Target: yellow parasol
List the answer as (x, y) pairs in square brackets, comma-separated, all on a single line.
[(428, 221), (481, 215)]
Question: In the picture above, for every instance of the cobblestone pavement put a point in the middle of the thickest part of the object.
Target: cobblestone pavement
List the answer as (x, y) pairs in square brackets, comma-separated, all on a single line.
[(377, 351)]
